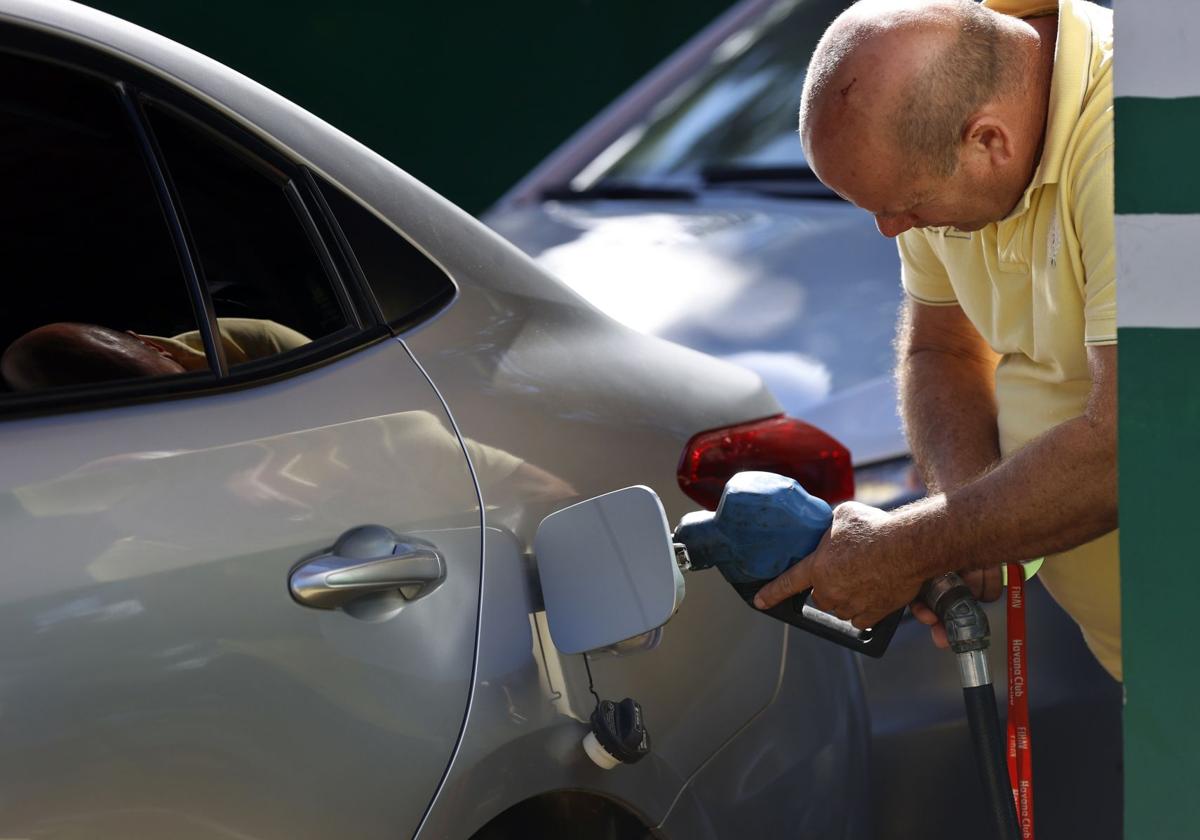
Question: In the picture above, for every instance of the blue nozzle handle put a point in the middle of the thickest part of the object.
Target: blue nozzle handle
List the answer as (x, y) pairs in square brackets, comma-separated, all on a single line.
[(764, 524)]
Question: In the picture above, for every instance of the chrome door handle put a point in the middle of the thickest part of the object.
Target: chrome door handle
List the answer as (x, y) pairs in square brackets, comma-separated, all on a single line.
[(366, 560)]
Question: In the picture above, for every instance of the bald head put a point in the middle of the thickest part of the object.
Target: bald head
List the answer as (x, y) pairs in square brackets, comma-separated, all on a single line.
[(908, 74), (75, 354)]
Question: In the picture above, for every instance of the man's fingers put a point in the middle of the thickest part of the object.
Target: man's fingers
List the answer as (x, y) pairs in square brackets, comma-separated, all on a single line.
[(993, 586), (793, 581), (922, 613), (985, 584), (815, 598), (866, 620), (973, 578)]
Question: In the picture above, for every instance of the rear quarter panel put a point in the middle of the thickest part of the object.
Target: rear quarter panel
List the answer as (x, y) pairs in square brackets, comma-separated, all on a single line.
[(529, 368)]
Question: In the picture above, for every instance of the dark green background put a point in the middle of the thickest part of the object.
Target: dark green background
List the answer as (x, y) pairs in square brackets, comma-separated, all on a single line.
[(466, 97)]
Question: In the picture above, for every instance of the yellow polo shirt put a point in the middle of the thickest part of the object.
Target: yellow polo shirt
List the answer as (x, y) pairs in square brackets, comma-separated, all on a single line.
[(1040, 287)]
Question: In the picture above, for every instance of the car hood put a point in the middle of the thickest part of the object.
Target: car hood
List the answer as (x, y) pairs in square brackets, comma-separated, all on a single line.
[(803, 292)]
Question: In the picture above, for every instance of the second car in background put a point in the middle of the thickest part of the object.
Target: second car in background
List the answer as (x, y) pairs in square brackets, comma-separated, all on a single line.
[(687, 210)]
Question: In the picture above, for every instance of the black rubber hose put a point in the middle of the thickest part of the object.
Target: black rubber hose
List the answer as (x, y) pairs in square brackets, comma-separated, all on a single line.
[(993, 763)]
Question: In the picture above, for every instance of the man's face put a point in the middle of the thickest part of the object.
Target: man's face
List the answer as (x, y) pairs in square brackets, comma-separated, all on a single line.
[(903, 195)]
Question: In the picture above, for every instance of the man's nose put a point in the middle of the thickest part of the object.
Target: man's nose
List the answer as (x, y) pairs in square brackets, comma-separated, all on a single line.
[(893, 226)]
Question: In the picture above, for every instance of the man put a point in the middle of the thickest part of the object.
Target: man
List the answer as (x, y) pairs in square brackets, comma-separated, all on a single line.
[(981, 137)]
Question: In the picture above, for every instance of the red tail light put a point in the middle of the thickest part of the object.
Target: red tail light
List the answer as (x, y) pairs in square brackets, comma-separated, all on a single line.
[(778, 444)]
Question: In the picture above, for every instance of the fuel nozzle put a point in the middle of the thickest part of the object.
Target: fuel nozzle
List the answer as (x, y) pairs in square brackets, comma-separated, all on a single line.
[(764, 524)]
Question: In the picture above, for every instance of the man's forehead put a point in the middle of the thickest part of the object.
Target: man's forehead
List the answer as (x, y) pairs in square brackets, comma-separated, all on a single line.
[(874, 179), (882, 62)]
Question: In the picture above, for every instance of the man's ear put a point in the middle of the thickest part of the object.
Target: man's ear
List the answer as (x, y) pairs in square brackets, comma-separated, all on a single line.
[(987, 138)]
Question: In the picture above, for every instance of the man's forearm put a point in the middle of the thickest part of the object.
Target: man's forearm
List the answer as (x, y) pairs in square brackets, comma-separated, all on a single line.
[(1054, 494), (948, 405)]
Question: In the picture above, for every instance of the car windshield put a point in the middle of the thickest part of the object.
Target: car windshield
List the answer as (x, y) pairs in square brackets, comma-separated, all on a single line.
[(738, 114)]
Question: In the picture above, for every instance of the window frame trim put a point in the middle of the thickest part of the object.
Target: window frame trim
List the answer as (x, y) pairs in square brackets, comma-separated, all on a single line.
[(412, 318), (313, 188), (185, 249), (259, 152)]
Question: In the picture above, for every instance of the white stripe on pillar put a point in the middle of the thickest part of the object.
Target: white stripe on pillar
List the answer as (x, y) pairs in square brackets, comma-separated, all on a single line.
[(1157, 46), (1158, 279)]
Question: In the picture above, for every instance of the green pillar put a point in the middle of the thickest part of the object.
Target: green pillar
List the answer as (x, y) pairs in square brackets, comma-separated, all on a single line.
[(1158, 294)]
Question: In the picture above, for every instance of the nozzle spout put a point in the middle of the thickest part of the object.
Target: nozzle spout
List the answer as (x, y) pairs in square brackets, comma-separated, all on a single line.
[(702, 541)]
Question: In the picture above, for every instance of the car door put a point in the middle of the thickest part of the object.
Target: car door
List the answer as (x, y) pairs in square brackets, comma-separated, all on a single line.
[(175, 660)]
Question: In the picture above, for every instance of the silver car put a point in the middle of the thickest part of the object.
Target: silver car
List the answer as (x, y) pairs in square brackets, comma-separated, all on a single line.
[(687, 211), (279, 426)]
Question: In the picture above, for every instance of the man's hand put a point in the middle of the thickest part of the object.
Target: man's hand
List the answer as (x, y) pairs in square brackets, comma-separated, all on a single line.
[(985, 585), (856, 573)]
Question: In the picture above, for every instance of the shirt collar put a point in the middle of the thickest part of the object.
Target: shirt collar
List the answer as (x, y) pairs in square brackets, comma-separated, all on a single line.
[(1068, 86)]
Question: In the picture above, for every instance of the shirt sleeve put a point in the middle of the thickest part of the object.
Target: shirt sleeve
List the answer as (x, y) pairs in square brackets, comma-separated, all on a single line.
[(921, 271), (1092, 201), (491, 465)]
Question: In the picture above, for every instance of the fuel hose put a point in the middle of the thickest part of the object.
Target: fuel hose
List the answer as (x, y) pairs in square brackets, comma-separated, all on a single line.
[(969, 635), (993, 765)]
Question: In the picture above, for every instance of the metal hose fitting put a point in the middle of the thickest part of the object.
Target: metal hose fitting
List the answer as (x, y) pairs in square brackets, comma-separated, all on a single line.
[(966, 625)]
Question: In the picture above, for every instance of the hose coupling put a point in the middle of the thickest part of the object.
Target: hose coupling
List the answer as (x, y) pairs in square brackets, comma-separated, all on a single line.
[(965, 622)]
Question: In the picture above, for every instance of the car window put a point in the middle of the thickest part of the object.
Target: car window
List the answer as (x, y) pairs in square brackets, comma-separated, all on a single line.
[(407, 285), (89, 263), (270, 288), (739, 112)]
